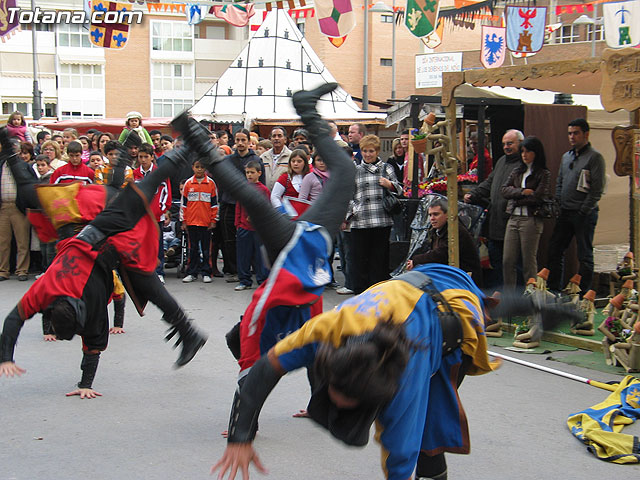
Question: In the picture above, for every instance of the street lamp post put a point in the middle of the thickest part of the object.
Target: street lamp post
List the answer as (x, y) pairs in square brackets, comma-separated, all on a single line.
[(378, 7), (593, 21)]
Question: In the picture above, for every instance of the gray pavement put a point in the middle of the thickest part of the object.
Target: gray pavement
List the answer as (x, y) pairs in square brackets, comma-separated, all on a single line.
[(154, 422)]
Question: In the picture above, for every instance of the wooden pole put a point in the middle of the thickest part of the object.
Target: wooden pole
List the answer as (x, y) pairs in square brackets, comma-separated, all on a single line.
[(635, 202), (452, 185)]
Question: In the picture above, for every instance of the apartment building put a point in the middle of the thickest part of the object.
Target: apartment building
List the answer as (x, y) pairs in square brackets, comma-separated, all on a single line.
[(168, 64)]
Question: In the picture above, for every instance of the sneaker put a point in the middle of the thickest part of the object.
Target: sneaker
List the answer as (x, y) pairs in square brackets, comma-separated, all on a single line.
[(218, 274), (171, 252), (241, 287), (232, 278), (344, 291), (206, 279), (161, 278), (334, 285), (23, 278), (188, 279)]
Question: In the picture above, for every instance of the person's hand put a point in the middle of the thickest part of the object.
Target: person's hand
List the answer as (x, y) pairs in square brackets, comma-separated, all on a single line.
[(116, 330), (527, 191), (10, 369), (467, 198), (183, 227), (385, 182), (344, 226), (409, 264), (212, 226), (301, 414), (237, 456), (49, 338), (84, 393)]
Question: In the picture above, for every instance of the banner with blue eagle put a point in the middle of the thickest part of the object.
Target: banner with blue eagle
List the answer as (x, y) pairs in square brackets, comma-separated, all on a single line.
[(494, 46), (104, 34), (526, 28)]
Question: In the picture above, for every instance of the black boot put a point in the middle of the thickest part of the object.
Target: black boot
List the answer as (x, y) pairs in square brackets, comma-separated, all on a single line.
[(190, 337), (118, 312), (197, 138), (305, 102)]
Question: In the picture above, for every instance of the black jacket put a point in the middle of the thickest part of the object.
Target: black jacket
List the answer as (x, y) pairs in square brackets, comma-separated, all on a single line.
[(435, 250)]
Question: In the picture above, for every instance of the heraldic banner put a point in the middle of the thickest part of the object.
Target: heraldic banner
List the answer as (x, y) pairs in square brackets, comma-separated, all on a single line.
[(494, 46), (109, 35), (335, 17), (525, 28), (622, 23), (421, 16)]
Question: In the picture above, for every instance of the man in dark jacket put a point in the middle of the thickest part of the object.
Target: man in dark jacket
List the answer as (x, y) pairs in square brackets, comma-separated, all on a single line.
[(239, 158), (435, 249), (579, 186), (488, 192)]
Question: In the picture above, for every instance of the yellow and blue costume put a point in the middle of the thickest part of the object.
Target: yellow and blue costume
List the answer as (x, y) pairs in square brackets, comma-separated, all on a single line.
[(426, 413)]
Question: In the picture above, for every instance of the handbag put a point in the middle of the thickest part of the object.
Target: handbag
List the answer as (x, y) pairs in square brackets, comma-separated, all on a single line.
[(390, 202), (549, 208)]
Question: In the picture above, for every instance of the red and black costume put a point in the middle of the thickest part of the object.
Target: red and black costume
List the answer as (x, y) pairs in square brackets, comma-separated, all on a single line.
[(81, 273)]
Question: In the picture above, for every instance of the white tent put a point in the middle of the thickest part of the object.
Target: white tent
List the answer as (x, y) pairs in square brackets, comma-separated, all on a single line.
[(258, 84)]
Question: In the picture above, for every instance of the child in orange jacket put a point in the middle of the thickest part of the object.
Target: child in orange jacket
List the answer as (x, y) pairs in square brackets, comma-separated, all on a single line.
[(198, 213)]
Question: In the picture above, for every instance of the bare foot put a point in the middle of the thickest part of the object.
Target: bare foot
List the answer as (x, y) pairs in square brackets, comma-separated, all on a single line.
[(301, 414), (116, 330), (225, 434)]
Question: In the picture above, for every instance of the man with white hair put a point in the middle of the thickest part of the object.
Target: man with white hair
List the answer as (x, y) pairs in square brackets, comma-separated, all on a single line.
[(488, 192)]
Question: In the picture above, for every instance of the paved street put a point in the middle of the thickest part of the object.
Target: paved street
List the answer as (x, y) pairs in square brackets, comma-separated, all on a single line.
[(154, 422)]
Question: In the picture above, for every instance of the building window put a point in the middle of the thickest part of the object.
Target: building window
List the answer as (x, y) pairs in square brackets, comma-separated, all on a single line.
[(67, 115), (49, 109), (567, 34), (599, 30), (217, 32), (81, 76), (171, 36), (70, 35), (40, 27), (9, 107), (386, 62), (386, 18), (168, 107), (172, 77), (300, 23)]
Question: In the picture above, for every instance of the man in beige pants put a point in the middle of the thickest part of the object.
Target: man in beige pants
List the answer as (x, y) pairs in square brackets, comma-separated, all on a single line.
[(12, 221)]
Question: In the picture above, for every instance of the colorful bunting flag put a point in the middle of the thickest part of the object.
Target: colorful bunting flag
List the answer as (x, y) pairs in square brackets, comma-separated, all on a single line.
[(335, 17), (109, 35), (622, 23), (7, 27), (195, 13), (337, 42), (434, 39), (237, 15), (494, 46), (525, 28), (421, 16)]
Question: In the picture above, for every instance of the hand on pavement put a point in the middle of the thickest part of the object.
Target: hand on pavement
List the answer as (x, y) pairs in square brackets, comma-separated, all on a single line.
[(10, 369), (84, 393), (237, 456)]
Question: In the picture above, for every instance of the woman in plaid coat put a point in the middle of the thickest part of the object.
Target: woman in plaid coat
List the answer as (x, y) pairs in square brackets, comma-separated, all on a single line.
[(370, 223)]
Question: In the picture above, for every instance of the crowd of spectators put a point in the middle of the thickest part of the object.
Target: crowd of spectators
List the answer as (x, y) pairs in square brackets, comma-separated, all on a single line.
[(293, 175)]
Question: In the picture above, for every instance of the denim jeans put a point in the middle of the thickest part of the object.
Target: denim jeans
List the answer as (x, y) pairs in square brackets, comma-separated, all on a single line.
[(248, 249)]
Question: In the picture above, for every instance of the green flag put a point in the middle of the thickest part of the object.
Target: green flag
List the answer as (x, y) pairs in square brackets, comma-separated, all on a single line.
[(420, 16)]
